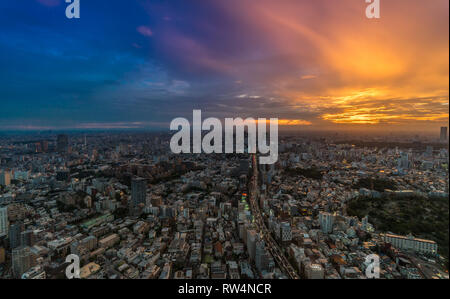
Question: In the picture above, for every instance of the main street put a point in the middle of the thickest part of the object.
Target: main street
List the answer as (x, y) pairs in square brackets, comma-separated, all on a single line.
[(271, 244)]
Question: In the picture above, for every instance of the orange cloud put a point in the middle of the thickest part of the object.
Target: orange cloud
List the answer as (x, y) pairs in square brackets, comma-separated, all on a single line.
[(392, 70), (285, 122)]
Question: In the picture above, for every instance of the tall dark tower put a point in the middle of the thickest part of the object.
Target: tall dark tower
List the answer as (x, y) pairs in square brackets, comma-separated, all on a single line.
[(62, 143), (138, 191), (15, 231)]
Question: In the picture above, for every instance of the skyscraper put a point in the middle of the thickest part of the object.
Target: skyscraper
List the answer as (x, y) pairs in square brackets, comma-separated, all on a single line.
[(443, 134), (429, 151), (3, 221), (15, 231), (21, 260), (62, 143), (251, 243), (286, 233), (403, 161), (326, 221), (261, 256), (138, 191), (44, 146)]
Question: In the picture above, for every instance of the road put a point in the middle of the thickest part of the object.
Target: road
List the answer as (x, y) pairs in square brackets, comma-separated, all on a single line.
[(271, 244), (427, 270)]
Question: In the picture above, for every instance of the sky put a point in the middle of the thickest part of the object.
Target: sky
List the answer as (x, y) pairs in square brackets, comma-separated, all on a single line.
[(139, 64)]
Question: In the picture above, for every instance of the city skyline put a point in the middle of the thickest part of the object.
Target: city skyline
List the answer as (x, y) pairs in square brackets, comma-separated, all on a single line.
[(318, 65), (124, 206), (224, 145)]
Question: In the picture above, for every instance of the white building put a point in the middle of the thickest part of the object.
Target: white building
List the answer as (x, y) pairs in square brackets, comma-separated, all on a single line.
[(410, 243), (36, 272)]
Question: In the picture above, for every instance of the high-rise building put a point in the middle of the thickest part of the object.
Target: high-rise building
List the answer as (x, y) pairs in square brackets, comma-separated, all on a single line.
[(15, 231), (4, 221), (286, 233), (403, 161), (41, 146), (326, 221), (62, 143), (38, 147), (443, 134), (44, 146), (251, 243), (263, 260), (5, 178), (429, 151), (138, 191), (21, 260)]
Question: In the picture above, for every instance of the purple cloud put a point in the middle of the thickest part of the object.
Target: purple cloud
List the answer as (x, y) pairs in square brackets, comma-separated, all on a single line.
[(145, 31)]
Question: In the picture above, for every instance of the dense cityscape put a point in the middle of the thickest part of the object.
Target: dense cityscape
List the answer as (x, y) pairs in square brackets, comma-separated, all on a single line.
[(131, 209)]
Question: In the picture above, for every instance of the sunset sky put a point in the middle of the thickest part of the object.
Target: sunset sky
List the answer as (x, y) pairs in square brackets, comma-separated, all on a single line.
[(314, 64)]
